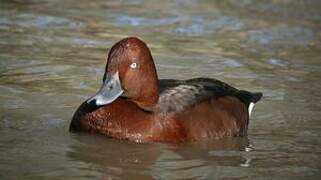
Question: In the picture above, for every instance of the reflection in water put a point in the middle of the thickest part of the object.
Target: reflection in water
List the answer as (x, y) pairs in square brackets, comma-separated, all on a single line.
[(52, 56), (159, 161)]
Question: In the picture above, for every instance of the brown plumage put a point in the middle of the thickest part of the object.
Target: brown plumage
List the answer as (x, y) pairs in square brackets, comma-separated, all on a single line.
[(134, 105)]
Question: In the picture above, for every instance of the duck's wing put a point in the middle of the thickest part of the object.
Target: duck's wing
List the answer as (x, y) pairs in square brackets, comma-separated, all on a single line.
[(177, 95)]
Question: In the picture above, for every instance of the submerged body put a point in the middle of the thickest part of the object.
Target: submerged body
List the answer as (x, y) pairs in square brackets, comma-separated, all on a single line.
[(134, 105)]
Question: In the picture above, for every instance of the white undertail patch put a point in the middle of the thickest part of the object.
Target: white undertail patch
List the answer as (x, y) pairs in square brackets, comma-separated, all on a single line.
[(251, 106)]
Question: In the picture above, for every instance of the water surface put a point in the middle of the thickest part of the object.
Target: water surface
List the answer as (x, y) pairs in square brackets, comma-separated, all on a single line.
[(52, 57)]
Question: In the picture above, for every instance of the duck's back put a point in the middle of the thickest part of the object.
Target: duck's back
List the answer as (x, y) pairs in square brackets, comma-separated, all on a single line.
[(207, 108)]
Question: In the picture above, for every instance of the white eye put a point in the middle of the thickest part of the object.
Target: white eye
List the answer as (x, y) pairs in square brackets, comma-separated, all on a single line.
[(133, 65)]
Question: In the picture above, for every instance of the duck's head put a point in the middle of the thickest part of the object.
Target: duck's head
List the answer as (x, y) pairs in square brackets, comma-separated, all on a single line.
[(130, 73)]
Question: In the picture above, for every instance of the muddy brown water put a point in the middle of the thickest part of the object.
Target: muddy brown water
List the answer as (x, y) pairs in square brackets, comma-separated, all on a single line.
[(52, 57)]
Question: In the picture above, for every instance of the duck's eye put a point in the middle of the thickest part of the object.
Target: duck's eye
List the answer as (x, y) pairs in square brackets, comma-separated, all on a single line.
[(133, 65)]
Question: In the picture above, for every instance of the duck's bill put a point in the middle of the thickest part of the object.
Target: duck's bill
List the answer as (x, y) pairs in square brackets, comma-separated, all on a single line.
[(109, 92)]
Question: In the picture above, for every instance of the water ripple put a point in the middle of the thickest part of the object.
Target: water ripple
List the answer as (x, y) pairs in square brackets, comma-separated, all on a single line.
[(200, 25), (287, 36), (39, 21), (184, 24)]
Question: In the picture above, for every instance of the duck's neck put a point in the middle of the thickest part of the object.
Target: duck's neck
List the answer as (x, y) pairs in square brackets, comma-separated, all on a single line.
[(149, 93)]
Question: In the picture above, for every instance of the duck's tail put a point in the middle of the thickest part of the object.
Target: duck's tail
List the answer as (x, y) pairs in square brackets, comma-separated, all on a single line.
[(249, 98)]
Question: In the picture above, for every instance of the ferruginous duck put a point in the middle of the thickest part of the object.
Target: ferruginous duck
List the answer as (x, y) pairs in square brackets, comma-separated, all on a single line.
[(133, 104)]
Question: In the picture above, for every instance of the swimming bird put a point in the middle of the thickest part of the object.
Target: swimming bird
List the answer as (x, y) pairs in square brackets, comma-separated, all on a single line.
[(133, 104)]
